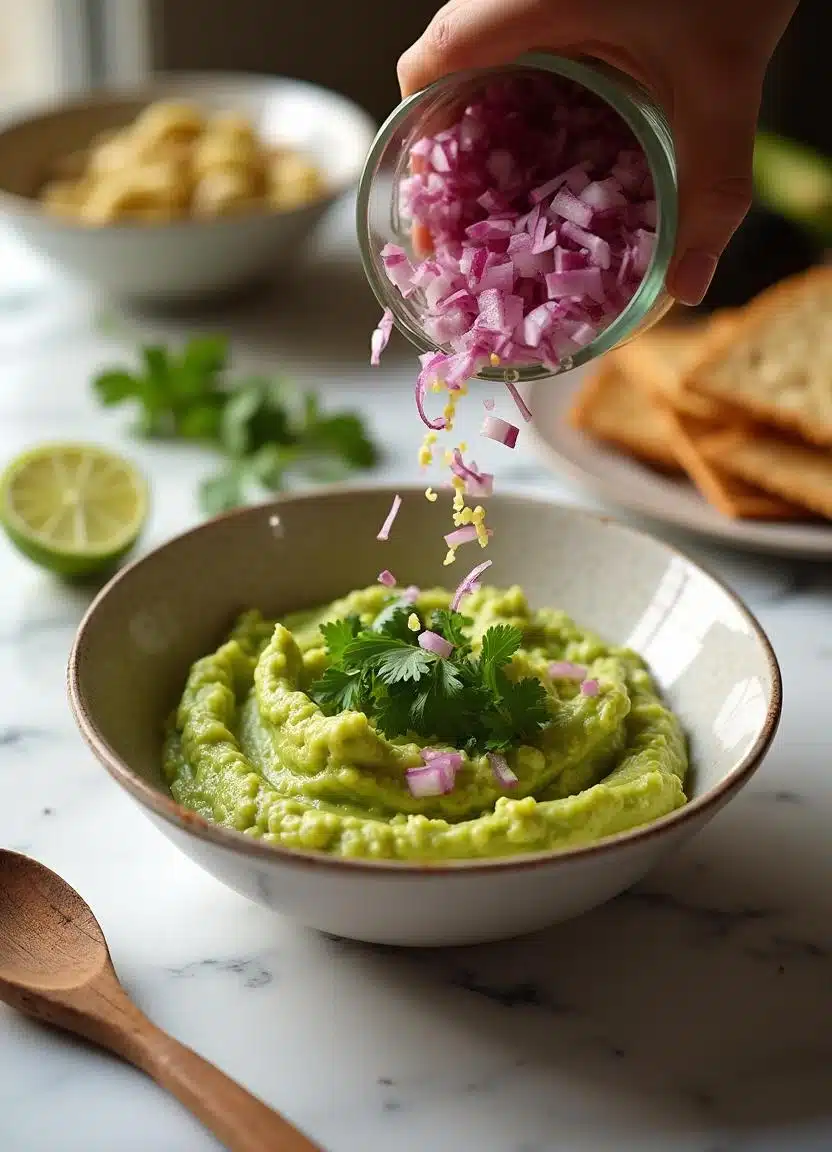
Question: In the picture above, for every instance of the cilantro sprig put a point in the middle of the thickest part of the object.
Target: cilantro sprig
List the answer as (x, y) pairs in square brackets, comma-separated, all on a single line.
[(466, 699), (265, 429)]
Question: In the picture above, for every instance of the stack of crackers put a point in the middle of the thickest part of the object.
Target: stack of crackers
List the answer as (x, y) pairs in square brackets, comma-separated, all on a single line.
[(741, 402)]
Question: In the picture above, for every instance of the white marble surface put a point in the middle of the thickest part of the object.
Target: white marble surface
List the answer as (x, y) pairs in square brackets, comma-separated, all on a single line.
[(692, 1015)]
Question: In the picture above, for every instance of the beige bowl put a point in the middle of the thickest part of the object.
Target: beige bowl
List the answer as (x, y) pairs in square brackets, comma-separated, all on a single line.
[(188, 259), (137, 641)]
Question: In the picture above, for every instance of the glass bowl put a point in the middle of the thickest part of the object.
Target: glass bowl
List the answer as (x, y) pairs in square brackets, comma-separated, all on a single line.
[(379, 222)]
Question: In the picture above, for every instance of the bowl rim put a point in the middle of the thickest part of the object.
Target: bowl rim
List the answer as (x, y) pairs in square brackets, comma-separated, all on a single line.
[(155, 86), (192, 823)]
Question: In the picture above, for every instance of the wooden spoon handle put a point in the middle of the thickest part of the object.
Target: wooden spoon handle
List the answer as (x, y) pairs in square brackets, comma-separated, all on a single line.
[(241, 1121)]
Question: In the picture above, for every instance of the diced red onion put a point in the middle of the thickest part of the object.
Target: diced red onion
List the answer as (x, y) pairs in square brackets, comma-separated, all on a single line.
[(398, 269), (643, 254), (567, 205), (467, 472), (488, 403), (384, 531), (410, 594), (590, 688), (387, 578), (500, 430), (502, 773), (599, 249), (481, 488), (467, 585), (380, 337), (434, 779), (603, 195), (433, 642), (431, 755), (578, 283), (464, 535), (525, 411), (566, 670)]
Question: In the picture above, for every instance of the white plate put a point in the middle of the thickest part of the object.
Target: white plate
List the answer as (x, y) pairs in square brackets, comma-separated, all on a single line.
[(624, 483)]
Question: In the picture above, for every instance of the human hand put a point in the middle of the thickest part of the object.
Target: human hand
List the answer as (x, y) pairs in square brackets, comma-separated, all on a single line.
[(702, 60)]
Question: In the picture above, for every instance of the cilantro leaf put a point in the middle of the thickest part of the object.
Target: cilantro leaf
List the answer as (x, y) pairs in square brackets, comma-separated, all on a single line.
[(342, 435), (447, 678), (392, 714), (392, 621), (116, 386), (369, 647), (527, 704), (450, 625), (264, 423), (223, 492), (499, 644), (405, 663), (337, 635), (467, 700), (337, 690)]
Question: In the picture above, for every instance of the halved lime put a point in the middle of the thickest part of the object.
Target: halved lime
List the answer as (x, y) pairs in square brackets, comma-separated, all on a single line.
[(75, 509)]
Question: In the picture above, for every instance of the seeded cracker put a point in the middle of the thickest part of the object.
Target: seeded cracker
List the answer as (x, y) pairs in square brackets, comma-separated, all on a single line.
[(776, 361), (612, 408), (791, 470), (729, 493), (660, 359)]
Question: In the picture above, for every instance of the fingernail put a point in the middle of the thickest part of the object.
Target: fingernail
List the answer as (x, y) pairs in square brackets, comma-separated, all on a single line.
[(692, 277)]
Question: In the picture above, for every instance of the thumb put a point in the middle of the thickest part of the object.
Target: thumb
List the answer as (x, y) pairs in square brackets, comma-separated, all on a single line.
[(478, 34), (714, 127)]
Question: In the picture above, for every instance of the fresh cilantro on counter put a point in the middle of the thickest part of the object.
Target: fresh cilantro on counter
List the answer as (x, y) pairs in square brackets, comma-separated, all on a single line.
[(264, 427), (466, 699)]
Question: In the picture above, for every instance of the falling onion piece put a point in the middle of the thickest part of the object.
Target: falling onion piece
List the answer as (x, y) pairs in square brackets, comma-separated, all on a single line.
[(467, 585), (381, 336), (464, 535), (384, 531), (590, 688), (488, 403), (525, 411), (502, 773), (476, 483), (433, 642), (387, 578), (495, 428)]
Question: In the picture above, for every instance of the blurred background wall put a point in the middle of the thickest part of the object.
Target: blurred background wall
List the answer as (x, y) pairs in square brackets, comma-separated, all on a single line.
[(353, 45)]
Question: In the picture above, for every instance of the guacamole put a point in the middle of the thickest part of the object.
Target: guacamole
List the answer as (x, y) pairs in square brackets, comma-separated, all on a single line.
[(249, 748)]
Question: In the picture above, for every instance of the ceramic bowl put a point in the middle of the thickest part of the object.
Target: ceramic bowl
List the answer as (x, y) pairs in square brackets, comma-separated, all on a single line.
[(184, 260), (139, 637)]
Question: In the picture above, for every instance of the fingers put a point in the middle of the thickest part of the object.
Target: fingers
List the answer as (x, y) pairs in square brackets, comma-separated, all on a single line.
[(714, 125), (477, 34)]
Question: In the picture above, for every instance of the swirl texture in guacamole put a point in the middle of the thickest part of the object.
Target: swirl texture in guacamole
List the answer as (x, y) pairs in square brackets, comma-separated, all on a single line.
[(250, 749)]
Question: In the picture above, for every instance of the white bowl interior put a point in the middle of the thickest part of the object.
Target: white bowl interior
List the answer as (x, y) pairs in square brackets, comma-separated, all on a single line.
[(706, 652), (325, 125)]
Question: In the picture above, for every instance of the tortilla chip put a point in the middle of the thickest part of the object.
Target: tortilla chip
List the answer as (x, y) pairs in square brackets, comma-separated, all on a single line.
[(789, 469), (775, 361), (730, 494), (612, 408), (661, 359)]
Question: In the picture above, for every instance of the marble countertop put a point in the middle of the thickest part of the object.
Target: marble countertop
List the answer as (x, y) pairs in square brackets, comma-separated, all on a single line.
[(691, 1015)]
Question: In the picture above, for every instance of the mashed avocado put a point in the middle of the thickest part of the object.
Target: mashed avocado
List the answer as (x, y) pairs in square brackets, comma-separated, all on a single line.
[(249, 748)]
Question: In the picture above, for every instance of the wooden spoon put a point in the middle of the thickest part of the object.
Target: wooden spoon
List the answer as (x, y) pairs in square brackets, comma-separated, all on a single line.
[(55, 965)]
